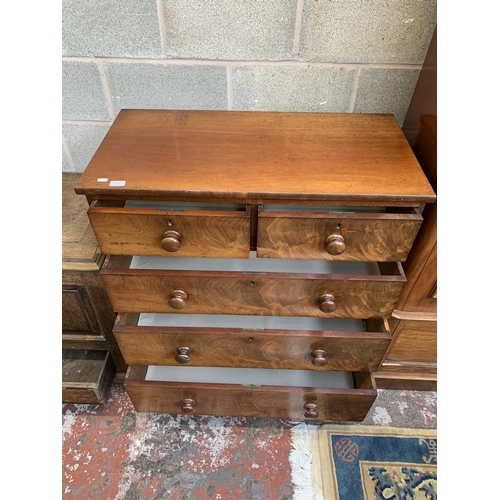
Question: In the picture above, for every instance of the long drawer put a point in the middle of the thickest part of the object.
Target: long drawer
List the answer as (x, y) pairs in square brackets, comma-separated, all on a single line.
[(252, 342), (173, 229), (272, 287), (239, 392), (337, 233)]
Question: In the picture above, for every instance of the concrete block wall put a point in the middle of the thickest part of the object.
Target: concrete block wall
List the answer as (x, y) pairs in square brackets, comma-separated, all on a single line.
[(359, 56)]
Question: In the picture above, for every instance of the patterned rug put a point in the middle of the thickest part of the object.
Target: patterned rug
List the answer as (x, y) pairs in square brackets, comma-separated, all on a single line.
[(374, 463)]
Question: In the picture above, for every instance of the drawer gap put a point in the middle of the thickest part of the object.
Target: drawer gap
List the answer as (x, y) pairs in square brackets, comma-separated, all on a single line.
[(108, 204), (251, 322), (251, 377), (337, 209), (255, 265), (168, 206)]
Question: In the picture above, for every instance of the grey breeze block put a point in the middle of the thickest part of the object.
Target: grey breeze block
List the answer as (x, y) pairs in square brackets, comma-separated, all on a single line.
[(292, 88), (222, 29), (361, 31), (82, 92), (163, 86), (386, 91), (113, 28), (83, 141)]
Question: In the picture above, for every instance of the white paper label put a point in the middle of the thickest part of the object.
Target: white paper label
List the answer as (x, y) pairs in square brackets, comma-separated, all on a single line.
[(117, 183), (102, 179)]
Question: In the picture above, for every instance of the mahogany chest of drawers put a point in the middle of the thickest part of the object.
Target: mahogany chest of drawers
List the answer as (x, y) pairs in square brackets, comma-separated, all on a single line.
[(254, 257)]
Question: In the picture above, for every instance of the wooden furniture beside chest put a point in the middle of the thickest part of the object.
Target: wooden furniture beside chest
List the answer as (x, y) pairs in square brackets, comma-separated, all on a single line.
[(411, 360), (254, 258), (90, 355)]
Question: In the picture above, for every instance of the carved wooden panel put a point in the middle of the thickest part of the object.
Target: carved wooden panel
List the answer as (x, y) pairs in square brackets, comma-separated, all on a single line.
[(78, 316)]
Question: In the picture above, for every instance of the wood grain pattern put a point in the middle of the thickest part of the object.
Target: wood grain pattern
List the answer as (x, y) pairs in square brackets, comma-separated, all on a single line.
[(421, 270), (277, 294), (243, 156), (78, 316), (79, 245), (367, 237), (259, 402), (236, 347), (414, 341), (408, 367), (411, 315), (94, 299), (134, 231), (406, 381)]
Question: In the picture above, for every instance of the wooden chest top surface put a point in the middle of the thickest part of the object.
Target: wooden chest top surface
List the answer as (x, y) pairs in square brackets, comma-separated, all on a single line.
[(245, 156)]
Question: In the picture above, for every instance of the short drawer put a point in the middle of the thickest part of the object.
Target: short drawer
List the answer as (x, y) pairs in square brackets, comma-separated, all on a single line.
[(300, 394), (252, 342), (337, 233), (173, 229), (268, 287)]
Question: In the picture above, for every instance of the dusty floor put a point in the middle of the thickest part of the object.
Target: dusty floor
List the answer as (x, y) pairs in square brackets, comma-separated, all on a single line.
[(112, 452)]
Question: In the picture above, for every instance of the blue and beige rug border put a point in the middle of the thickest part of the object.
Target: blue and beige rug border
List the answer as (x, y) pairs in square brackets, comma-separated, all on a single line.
[(345, 462)]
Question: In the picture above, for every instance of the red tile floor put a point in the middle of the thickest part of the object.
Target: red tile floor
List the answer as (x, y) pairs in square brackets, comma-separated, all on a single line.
[(112, 452)]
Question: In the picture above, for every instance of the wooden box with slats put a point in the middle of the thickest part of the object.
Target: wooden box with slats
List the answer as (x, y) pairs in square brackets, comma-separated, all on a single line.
[(254, 258)]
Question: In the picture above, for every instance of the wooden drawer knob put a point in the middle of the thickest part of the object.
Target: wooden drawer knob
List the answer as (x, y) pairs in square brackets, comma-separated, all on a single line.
[(319, 357), (335, 244), (188, 406), (327, 303), (171, 241), (311, 410), (178, 299), (183, 355)]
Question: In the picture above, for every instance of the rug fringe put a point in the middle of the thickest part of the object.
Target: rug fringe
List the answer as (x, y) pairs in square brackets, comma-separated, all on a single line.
[(301, 462)]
